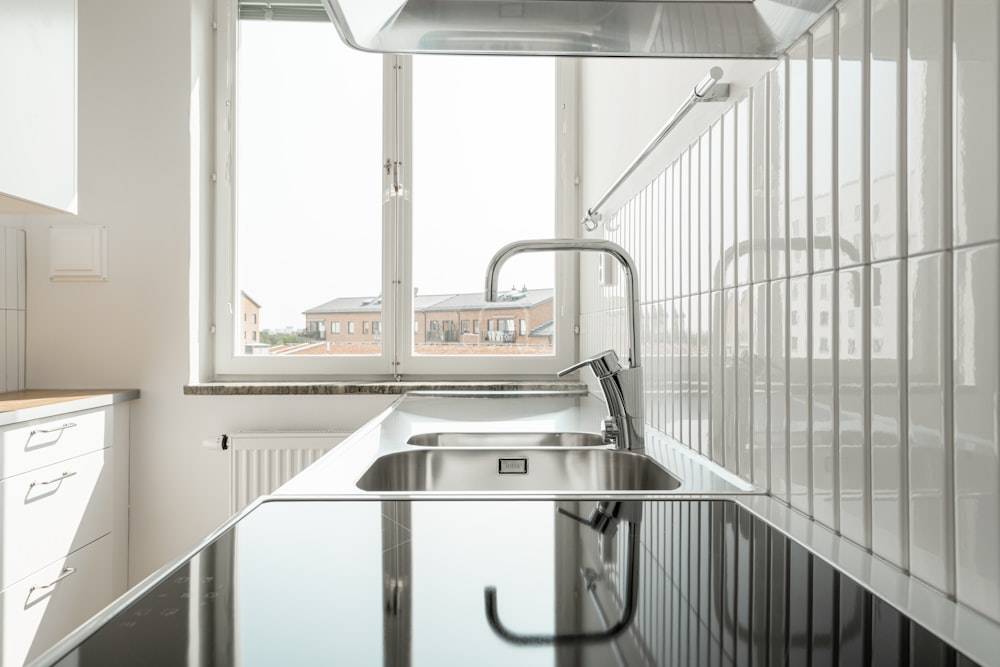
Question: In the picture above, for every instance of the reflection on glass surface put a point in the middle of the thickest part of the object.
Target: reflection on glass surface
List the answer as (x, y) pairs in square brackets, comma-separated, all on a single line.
[(401, 583)]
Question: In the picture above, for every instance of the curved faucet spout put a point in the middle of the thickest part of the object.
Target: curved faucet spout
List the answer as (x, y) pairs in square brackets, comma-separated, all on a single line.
[(576, 245), (622, 387)]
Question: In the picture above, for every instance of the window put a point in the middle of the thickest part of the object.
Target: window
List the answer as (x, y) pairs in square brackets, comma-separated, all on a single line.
[(363, 233), (350, 327), (524, 328)]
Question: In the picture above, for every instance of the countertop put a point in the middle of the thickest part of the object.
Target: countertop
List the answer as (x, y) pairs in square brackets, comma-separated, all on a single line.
[(501, 582), (339, 470), (19, 406), (322, 572)]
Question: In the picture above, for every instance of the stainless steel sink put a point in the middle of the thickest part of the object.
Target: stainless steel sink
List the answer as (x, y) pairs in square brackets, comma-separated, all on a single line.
[(521, 440), (516, 470)]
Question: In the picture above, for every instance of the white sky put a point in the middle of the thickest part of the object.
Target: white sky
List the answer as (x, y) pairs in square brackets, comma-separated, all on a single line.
[(309, 169)]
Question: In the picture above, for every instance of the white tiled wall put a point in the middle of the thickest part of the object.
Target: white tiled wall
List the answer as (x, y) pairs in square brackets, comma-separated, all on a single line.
[(821, 287), (12, 309)]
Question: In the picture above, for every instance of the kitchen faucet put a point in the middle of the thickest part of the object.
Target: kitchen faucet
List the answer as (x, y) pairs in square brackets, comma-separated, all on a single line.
[(622, 386)]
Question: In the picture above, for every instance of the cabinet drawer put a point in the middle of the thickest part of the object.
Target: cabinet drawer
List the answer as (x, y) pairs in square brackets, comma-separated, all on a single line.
[(41, 442), (49, 512), (44, 607)]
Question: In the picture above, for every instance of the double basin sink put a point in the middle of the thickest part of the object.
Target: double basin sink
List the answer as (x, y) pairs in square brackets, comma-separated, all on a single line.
[(556, 462)]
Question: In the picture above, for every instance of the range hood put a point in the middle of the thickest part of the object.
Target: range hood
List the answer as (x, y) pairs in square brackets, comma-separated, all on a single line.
[(650, 28)]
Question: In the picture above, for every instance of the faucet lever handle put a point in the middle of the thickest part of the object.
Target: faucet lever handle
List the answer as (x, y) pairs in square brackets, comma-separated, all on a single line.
[(603, 364)]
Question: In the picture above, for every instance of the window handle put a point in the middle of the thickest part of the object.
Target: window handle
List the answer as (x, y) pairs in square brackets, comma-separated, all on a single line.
[(392, 167)]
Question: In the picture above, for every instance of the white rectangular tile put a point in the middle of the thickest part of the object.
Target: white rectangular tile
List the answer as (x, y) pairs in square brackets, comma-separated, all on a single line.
[(976, 111), (22, 269), (890, 511), (656, 242), (928, 373), (824, 380), (718, 357), (678, 372), (744, 382), (22, 342), (928, 127), (730, 407), (669, 222), (687, 409), (778, 168), (715, 206), (822, 113), (704, 215), (742, 175), (799, 201), (695, 216), (799, 389), (759, 186), (760, 373), (706, 391), (695, 384), (778, 388), (884, 129), (852, 182), (10, 267), (684, 224), (678, 224), (13, 350), (729, 258), (977, 427), (852, 393)]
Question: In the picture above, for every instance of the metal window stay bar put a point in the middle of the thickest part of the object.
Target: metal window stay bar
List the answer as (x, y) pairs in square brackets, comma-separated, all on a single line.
[(708, 90)]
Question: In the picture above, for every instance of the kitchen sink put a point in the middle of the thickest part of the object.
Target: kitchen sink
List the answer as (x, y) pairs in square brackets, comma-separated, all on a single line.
[(501, 470), (522, 440)]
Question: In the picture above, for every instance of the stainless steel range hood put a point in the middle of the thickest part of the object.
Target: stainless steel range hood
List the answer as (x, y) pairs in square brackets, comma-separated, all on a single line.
[(651, 28)]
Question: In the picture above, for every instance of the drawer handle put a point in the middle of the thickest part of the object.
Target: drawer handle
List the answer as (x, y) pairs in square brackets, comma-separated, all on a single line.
[(54, 481), (54, 429), (62, 575)]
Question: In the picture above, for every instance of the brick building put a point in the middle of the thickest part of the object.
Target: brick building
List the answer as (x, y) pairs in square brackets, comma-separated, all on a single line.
[(520, 317)]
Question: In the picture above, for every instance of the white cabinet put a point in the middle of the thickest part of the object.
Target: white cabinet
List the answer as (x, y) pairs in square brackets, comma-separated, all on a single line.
[(63, 524), (38, 134)]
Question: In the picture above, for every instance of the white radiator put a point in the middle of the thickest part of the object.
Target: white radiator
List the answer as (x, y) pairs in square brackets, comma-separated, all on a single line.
[(262, 461)]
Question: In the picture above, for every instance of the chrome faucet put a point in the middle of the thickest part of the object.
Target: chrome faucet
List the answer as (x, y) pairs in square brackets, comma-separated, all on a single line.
[(622, 386)]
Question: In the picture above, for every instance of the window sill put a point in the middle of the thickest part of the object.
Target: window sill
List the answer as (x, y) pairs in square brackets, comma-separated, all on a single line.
[(345, 388)]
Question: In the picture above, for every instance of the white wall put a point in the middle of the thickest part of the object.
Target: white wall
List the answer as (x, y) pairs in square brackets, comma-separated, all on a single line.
[(819, 281), (145, 94)]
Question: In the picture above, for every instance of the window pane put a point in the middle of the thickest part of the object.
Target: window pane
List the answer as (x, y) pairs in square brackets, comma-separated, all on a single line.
[(484, 154), (308, 201)]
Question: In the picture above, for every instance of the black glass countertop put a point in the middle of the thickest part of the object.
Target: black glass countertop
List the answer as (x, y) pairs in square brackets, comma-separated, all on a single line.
[(569, 582)]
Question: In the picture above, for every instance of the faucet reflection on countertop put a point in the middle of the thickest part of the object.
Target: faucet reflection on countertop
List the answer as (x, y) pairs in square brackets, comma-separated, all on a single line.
[(622, 386)]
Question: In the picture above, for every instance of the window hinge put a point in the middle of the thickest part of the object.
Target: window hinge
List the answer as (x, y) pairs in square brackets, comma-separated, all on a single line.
[(211, 329), (576, 180), (215, 177), (215, 25), (576, 329)]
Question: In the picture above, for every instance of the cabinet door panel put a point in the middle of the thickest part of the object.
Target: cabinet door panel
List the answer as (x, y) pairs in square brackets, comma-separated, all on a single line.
[(42, 442), (38, 611), (52, 511), (38, 131)]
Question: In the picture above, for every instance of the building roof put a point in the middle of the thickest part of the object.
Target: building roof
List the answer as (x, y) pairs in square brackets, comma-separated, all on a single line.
[(543, 329), (249, 298), (517, 298), (523, 298)]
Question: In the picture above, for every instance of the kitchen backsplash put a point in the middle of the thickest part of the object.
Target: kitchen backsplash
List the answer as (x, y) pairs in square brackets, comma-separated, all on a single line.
[(820, 286), (12, 308)]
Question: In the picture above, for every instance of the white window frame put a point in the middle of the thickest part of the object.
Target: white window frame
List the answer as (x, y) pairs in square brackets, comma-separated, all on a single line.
[(397, 358)]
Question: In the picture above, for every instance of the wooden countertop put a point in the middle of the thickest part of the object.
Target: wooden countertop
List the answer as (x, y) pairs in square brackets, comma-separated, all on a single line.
[(17, 406)]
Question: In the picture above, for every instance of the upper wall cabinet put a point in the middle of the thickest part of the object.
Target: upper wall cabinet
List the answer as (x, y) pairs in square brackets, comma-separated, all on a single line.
[(38, 106)]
